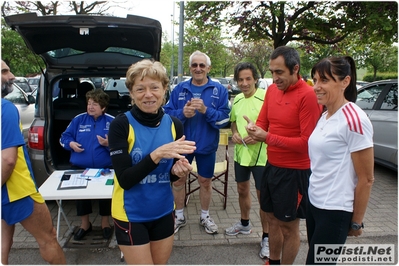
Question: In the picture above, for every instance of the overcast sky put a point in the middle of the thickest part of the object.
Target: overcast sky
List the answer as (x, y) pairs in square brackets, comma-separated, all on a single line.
[(161, 10)]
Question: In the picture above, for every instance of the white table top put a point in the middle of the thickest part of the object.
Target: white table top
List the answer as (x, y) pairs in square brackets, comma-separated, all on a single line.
[(96, 189)]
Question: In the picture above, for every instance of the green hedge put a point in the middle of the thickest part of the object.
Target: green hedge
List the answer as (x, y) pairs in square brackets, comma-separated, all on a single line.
[(380, 76)]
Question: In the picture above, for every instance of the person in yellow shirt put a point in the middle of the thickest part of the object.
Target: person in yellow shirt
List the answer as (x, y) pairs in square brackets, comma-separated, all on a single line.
[(308, 81), (249, 155)]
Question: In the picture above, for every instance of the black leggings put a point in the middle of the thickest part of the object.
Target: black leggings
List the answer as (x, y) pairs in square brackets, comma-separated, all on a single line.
[(83, 207), (325, 227)]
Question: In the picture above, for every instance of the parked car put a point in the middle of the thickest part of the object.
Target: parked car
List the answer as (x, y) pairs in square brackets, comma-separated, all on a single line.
[(174, 81), (99, 83), (120, 86), (74, 47), (380, 101), (224, 82), (362, 83), (34, 82), (23, 83), (25, 104), (234, 87), (264, 83)]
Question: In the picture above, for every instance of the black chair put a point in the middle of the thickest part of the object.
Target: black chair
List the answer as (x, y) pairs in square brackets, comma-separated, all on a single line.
[(83, 88)]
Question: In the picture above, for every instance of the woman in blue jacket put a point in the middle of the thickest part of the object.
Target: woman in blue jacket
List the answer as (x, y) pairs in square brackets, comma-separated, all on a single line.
[(87, 139)]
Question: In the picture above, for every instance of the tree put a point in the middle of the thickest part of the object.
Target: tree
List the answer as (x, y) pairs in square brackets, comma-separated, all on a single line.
[(257, 53), (381, 57), (211, 43), (53, 7), (283, 22), (14, 51)]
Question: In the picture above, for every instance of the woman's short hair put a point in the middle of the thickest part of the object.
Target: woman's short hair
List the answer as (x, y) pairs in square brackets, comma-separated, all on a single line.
[(146, 68), (98, 96)]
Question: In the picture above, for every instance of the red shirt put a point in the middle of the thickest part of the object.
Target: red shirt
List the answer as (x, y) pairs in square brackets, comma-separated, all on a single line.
[(289, 117)]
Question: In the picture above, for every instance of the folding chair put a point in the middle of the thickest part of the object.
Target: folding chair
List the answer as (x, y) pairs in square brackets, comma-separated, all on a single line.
[(220, 175)]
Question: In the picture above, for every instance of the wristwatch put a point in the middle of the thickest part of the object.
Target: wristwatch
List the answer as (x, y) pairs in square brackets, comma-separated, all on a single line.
[(356, 226)]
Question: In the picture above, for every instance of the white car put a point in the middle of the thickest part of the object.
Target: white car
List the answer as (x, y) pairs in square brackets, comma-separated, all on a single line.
[(264, 83), (25, 104)]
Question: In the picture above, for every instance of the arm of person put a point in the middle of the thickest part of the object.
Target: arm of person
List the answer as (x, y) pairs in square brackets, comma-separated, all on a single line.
[(235, 135), (309, 114), (363, 162), (128, 174), (217, 116), (172, 107), (69, 135), (8, 162)]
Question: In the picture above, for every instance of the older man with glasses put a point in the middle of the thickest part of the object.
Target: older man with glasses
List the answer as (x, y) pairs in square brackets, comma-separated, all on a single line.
[(203, 107)]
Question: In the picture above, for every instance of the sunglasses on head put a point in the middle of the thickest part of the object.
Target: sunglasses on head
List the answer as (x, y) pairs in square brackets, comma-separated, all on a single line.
[(195, 65)]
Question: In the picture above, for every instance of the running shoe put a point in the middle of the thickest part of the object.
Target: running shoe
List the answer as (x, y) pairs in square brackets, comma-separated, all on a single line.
[(264, 251), (179, 223), (238, 228), (209, 225)]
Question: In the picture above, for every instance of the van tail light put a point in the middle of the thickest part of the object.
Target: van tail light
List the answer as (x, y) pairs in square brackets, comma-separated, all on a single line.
[(36, 137)]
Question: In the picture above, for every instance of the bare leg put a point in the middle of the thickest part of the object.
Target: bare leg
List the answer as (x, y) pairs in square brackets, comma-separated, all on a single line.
[(262, 214), (291, 244), (205, 192), (85, 222), (155, 252), (7, 233), (105, 221), (179, 193), (276, 238), (244, 199), (137, 254), (161, 250), (40, 225)]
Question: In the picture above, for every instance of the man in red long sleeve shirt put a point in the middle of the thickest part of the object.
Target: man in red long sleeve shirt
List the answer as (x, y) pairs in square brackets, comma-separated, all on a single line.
[(287, 118)]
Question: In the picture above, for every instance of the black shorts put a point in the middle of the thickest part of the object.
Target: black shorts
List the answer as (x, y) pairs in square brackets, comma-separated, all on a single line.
[(284, 192), (135, 234), (243, 173)]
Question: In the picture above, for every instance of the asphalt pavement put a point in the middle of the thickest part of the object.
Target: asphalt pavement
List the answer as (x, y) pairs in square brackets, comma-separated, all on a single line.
[(192, 246)]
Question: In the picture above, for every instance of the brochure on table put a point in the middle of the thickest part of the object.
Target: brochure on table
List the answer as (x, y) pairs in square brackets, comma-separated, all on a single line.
[(98, 174), (80, 179), (71, 181)]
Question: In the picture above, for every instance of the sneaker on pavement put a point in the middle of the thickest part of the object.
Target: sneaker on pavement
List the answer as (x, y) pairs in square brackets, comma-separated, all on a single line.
[(209, 225), (179, 223), (238, 228), (264, 251)]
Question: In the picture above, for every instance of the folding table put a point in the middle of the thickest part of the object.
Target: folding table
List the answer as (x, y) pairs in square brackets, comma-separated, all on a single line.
[(96, 189)]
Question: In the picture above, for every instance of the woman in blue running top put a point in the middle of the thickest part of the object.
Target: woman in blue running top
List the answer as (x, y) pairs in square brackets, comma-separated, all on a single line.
[(147, 151)]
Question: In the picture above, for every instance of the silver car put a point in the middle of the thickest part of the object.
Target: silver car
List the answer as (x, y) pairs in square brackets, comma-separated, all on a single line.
[(25, 104), (380, 101)]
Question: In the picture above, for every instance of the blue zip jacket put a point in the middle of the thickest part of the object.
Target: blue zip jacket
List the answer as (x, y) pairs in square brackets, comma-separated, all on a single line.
[(202, 128), (84, 130)]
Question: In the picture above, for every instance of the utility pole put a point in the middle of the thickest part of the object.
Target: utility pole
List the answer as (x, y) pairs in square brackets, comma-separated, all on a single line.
[(173, 46), (181, 34)]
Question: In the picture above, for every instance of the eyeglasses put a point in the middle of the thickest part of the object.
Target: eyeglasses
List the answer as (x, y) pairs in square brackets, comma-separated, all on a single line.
[(195, 65)]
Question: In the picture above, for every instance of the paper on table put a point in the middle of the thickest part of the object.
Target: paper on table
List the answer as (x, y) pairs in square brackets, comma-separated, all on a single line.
[(75, 181), (92, 172)]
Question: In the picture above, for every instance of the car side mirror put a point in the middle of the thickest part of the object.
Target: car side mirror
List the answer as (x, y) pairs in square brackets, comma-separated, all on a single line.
[(31, 99)]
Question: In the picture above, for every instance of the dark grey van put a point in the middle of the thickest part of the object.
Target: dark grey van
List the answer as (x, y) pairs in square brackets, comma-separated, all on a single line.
[(77, 49)]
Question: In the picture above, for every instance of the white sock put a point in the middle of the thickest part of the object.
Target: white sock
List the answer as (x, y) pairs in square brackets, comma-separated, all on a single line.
[(204, 214), (179, 214)]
